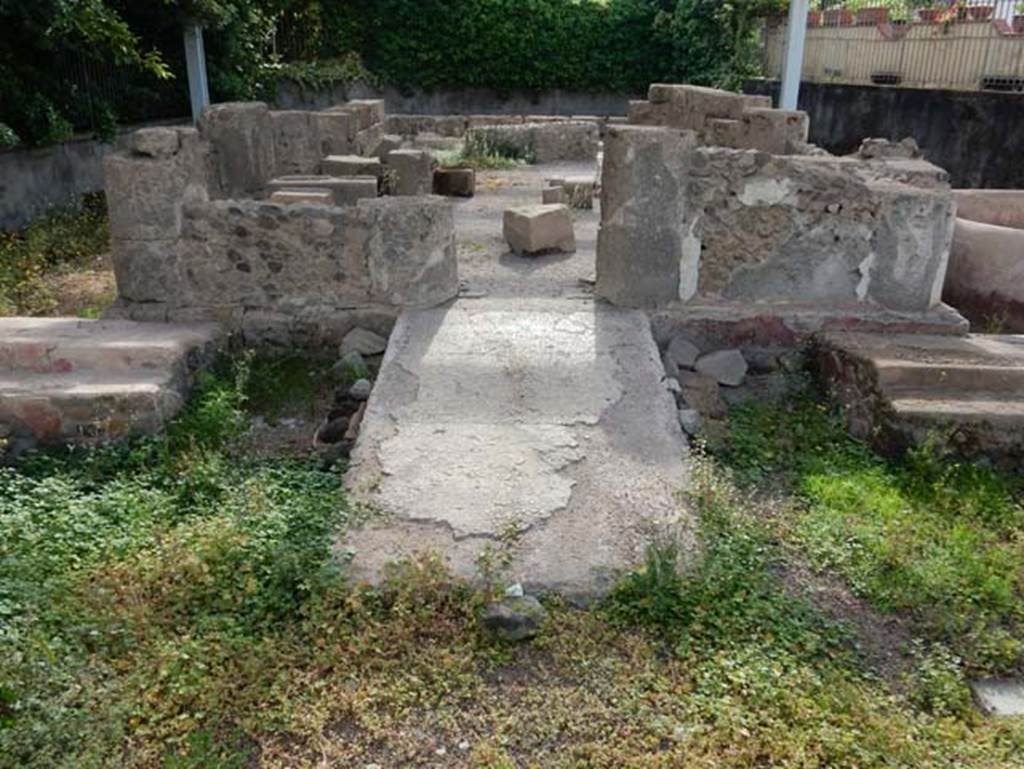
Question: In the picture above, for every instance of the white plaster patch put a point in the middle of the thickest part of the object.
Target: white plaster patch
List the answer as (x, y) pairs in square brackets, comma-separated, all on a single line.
[(764, 192), (689, 263), (865, 276)]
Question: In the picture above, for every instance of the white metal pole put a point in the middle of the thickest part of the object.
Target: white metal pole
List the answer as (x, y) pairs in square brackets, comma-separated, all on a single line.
[(195, 63), (793, 53)]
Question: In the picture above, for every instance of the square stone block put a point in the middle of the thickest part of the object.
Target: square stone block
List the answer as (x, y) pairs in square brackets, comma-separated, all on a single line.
[(532, 230), (455, 182), (552, 195), (410, 172)]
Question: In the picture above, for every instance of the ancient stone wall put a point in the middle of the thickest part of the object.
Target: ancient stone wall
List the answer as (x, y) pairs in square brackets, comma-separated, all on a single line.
[(686, 221), (193, 237)]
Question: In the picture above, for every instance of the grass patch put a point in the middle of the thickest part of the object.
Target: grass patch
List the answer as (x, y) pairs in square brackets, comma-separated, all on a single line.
[(173, 604), (64, 241), (929, 536), (486, 153)]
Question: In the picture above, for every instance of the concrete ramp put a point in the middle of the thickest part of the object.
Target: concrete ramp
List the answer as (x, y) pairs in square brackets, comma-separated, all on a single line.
[(538, 425)]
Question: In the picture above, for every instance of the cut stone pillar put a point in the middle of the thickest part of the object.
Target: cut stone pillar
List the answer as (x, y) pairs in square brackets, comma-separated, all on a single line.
[(242, 137), (533, 230)]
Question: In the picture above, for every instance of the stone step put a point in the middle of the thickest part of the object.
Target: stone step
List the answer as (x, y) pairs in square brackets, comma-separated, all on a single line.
[(897, 389), (62, 345), (85, 406)]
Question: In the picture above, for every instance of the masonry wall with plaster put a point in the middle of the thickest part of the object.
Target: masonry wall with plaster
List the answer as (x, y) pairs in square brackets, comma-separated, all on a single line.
[(199, 235), (714, 205)]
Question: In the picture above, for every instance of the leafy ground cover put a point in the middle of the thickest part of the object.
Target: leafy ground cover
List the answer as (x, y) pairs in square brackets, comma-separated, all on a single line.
[(174, 604), (58, 265)]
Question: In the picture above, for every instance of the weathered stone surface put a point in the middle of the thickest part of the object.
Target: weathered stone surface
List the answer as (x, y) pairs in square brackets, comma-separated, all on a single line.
[(644, 256), (146, 270), (346, 190), (455, 182), (351, 165), (543, 417), (292, 196), (682, 221), (154, 142), (442, 125), (360, 389), (364, 341), (296, 143), (689, 106), (515, 618), (397, 251), (242, 136), (69, 380), (689, 420), (727, 367), (883, 148), (335, 131), (368, 112), (539, 229), (388, 143), (778, 131), (985, 280), (999, 696), (540, 142), (579, 191), (552, 195), (701, 392), (682, 352), (410, 172)]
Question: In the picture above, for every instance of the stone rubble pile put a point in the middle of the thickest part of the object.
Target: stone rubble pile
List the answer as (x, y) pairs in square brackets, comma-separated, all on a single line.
[(696, 379)]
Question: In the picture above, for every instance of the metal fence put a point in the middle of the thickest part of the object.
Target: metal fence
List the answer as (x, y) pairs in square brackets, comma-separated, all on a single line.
[(962, 45)]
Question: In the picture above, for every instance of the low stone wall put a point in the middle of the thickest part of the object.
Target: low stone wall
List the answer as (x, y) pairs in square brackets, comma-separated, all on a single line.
[(685, 222), (985, 280), (539, 142), (193, 240)]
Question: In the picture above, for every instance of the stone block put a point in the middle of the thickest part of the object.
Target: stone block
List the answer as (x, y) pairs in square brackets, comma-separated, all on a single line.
[(296, 143), (552, 195), (644, 113), (144, 195), (346, 190), (780, 132), (455, 182), (351, 165), (155, 142), (724, 133), (293, 196), (410, 172), (690, 106), (647, 253), (756, 101), (146, 270), (368, 112), (411, 255), (367, 142), (579, 191), (727, 367), (532, 230), (335, 131), (389, 143), (242, 138)]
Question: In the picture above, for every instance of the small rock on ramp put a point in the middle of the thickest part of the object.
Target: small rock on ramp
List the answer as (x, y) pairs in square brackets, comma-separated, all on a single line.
[(540, 427)]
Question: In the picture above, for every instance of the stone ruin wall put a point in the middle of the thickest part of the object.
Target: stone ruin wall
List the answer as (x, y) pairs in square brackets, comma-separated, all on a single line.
[(194, 237), (717, 200)]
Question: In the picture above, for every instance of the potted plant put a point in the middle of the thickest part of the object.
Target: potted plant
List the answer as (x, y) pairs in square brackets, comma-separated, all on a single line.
[(813, 17), (1018, 19), (930, 13), (979, 12), (838, 17), (873, 15)]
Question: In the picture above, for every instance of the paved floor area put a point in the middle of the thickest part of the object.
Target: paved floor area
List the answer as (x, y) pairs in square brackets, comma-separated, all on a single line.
[(523, 418)]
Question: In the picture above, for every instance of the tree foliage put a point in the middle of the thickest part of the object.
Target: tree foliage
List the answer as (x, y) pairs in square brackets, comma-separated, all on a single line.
[(67, 64)]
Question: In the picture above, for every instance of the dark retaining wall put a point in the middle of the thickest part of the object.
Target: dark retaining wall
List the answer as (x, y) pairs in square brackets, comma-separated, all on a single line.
[(977, 136)]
